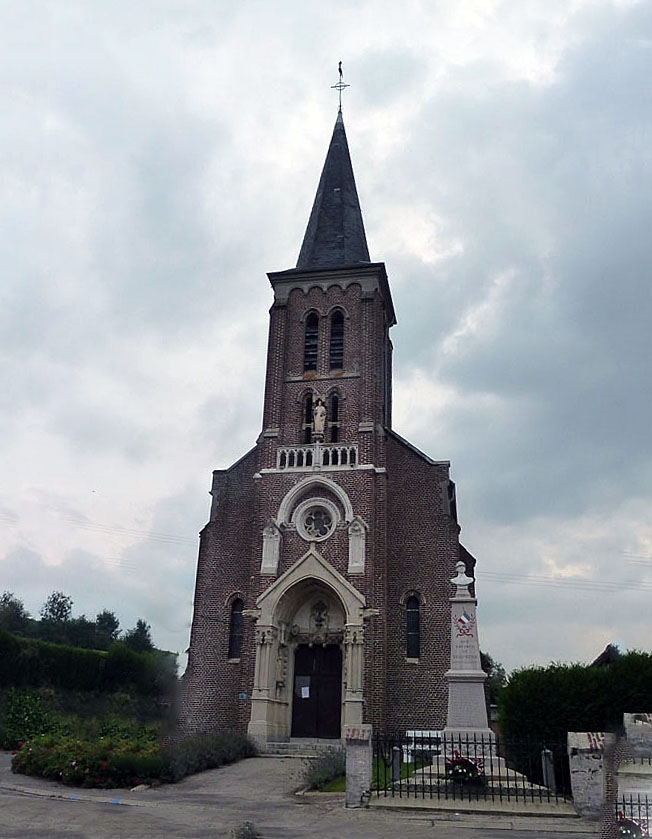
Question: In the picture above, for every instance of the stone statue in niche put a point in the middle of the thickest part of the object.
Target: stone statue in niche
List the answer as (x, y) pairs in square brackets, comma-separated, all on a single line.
[(319, 615), (319, 418)]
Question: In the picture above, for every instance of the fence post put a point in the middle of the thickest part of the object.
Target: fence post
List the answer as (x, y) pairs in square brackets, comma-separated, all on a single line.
[(548, 770), (396, 764), (587, 761), (359, 760)]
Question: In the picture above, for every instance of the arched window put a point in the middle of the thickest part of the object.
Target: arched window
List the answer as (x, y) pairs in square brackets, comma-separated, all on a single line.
[(235, 629), (336, 351), (413, 632), (334, 418), (307, 419), (311, 342)]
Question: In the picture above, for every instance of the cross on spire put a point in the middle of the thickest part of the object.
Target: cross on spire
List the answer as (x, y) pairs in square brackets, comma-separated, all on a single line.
[(340, 85)]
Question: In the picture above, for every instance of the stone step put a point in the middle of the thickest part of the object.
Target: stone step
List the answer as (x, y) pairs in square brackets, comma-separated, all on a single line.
[(302, 747)]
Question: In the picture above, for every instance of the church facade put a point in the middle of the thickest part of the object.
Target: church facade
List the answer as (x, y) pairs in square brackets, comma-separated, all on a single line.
[(323, 578)]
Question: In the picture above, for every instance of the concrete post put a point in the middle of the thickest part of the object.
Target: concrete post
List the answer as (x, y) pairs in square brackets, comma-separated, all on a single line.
[(359, 759), (548, 770), (396, 764), (586, 757)]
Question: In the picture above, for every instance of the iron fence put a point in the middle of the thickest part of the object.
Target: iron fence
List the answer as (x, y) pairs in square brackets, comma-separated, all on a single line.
[(634, 814), (468, 768)]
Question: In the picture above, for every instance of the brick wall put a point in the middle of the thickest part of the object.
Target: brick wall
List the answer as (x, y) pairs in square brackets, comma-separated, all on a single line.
[(412, 542)]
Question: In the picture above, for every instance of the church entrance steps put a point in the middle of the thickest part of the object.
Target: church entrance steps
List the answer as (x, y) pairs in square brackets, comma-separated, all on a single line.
[(304, 747)]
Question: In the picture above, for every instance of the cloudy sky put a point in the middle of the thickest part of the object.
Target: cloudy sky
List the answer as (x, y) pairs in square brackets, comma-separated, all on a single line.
[(159, 157)]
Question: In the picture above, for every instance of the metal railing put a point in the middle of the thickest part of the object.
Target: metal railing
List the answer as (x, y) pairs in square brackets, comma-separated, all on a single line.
[(467, 768), (634, 813)]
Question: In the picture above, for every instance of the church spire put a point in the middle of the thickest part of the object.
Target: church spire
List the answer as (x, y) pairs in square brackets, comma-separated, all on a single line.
[(335, 234)]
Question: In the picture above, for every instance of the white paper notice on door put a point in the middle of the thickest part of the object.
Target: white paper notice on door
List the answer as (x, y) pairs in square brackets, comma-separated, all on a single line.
[(305, 692)]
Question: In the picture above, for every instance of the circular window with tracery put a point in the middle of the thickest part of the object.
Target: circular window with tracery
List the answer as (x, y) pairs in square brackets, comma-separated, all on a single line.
[(316, 519)]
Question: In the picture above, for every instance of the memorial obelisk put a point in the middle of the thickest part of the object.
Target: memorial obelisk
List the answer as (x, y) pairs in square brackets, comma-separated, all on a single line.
[(467, 707)]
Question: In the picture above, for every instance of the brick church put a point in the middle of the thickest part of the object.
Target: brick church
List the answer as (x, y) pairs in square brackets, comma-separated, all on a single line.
[(323, 579)]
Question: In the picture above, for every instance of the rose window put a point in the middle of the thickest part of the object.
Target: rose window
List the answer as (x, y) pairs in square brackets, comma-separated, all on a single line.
[(318, 522), (316, 519)]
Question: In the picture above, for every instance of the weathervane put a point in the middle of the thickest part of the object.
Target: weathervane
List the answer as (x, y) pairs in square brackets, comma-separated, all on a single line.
[(340, 85)]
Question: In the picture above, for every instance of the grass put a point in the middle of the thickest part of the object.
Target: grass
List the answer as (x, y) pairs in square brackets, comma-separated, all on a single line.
[(380, 775)]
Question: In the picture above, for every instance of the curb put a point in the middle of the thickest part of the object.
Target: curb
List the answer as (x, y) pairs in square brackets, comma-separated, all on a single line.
[(75, 796)]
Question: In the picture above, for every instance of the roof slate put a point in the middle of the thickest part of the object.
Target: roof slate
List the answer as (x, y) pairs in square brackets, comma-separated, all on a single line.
[(335, 234)]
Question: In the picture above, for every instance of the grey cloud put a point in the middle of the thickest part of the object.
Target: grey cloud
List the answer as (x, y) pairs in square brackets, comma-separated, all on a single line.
[(556, 195)]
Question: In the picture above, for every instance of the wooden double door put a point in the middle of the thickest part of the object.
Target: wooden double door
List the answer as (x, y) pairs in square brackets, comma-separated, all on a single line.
[(317, 695)]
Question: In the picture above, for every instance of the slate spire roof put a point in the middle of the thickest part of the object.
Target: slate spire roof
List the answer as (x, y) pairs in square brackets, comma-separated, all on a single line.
[(335, 234)]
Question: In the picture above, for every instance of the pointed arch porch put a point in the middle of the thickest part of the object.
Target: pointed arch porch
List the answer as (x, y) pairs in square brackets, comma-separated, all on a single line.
[(310, 604)]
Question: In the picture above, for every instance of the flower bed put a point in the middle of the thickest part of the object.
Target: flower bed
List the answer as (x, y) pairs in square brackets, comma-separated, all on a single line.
[(125, 760), (102, 763)]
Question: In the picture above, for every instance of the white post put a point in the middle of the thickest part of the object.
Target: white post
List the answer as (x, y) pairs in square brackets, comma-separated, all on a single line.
[(359, 759)]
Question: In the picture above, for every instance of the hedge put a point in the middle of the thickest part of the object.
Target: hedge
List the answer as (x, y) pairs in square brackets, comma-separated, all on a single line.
[(26, 662), (548, 702)]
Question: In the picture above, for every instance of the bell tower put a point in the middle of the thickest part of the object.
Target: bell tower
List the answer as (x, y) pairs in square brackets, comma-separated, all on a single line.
[(329, 354)]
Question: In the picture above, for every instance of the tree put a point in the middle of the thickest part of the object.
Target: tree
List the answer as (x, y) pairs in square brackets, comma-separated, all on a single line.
[(57, 608), (139, 639), (107, 629), (496, 677), (13, 616), (79, 632)]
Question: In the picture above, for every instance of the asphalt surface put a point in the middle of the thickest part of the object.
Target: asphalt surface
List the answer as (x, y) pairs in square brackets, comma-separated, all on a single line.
[(260, 790)]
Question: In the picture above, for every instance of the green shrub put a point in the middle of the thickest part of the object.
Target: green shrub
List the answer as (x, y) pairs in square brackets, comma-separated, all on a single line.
[(321, 770), (25, 662), (205, 751), (548, 702), (125, 754), (105, 763), (24, 717)]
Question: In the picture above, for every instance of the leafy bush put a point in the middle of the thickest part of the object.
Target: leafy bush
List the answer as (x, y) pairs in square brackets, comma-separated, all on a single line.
[(25, 662), (321, 770), (105, 763), (547, 702), (204, 751), (24, 717), (124, 754)]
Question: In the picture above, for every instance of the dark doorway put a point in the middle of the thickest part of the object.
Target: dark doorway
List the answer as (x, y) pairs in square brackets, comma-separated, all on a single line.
[(317, 698)]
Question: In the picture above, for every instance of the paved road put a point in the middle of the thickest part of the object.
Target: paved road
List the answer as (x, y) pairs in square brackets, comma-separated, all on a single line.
[(209, 805)]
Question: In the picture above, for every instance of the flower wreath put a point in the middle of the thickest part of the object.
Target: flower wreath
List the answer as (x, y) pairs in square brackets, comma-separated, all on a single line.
[(465, 770), (631, 827)]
